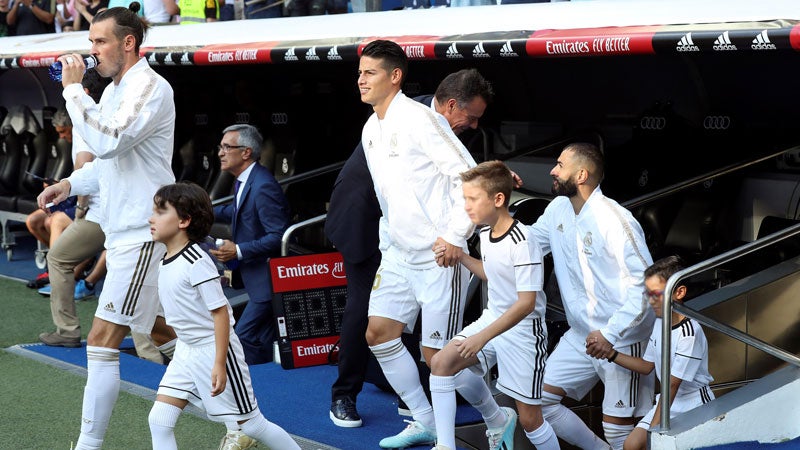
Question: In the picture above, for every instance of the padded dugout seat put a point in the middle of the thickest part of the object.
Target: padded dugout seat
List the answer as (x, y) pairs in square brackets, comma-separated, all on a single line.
[(528, 210), (21, 130), (51, 158)]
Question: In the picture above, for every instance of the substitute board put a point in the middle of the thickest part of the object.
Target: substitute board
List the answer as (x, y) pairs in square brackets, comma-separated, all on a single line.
[(309, 294)]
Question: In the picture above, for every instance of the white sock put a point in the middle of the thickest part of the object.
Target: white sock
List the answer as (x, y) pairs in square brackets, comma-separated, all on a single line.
[(443, 394), (543, 438), (400, 370), (269, 434), (474, 389), (567, 425), (168, 349), (99, 395), (616, 434), (162, 420)]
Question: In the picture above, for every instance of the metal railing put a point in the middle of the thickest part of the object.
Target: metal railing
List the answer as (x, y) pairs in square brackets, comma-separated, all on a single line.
[(287, 235), (667, 308), (669, 190), (292, 179)]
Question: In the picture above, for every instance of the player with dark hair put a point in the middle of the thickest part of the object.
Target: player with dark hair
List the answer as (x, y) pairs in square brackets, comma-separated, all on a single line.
[(132, 131), (415, 160), (599, 255), (208, 364)]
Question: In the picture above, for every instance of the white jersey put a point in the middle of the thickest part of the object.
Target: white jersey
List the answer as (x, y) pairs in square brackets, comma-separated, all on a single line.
[(415, 161), (512, 263), (689, 355), (132, 133), (78, 146), (599, 256), (189, 288)]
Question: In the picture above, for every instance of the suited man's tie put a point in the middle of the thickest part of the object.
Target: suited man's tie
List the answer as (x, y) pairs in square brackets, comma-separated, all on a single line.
[(234, 263), (236, 185)]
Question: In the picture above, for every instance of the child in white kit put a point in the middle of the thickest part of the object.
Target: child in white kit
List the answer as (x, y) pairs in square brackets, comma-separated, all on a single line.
[(208, 365), (511, 332), (689, 377)]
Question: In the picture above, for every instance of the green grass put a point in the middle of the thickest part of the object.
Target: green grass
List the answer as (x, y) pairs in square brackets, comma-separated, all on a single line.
[(41, 404)]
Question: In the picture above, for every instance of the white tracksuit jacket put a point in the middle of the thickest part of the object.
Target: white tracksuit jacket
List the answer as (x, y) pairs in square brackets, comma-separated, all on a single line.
[(415, 160), (131, 131), (599, 256)]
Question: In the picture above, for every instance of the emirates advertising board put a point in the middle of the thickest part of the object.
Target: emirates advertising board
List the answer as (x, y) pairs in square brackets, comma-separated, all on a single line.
[(310, 292)]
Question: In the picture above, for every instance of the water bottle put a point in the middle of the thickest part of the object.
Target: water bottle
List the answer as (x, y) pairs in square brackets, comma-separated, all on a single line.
[(212, 244), (55, 68)]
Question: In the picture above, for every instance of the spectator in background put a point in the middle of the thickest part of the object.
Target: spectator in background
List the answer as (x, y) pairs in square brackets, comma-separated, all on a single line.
[(155, 11), (263, 9), (47, 228), (62, 18), (87, 11), (296, 8), (4, 29), (259, 214), (31, 17), (198, 11), (227, 11)]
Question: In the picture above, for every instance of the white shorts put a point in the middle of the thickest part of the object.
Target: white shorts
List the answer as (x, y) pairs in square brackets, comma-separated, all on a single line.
[(520, 355), (681, 404), (627, 393), (130, 290), (188, 377), (399, 293)]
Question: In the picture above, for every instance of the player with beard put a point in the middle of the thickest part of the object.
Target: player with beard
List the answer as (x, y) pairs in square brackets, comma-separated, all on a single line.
[(600, 256)]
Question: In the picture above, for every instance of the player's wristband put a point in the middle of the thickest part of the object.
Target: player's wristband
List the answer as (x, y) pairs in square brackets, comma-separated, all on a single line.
[(613, 357)]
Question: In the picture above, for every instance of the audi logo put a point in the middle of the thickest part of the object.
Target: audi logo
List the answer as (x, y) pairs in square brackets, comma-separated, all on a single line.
[(652, 123), (717, 122), (242, 117), (280, 118), (644, 178)]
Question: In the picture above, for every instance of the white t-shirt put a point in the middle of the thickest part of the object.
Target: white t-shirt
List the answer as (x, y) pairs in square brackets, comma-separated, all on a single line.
[(689, 350), (189, 288), (512, 263)]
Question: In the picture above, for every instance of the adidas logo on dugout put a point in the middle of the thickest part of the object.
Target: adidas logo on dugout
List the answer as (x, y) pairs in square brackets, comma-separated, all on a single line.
[(452, 51), (723, 43), (686, 44), (762, 42), (479, 52)]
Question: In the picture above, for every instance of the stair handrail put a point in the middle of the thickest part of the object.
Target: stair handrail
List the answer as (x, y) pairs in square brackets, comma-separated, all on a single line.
[(666, 310), (287, 235), (292, 179)]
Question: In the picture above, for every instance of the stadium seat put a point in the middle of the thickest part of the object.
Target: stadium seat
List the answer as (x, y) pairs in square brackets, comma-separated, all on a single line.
[(42, 158), (528, 210)]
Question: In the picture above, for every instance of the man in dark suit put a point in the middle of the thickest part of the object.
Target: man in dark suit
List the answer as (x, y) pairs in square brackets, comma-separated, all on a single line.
[(258, 215), (352, 226)]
